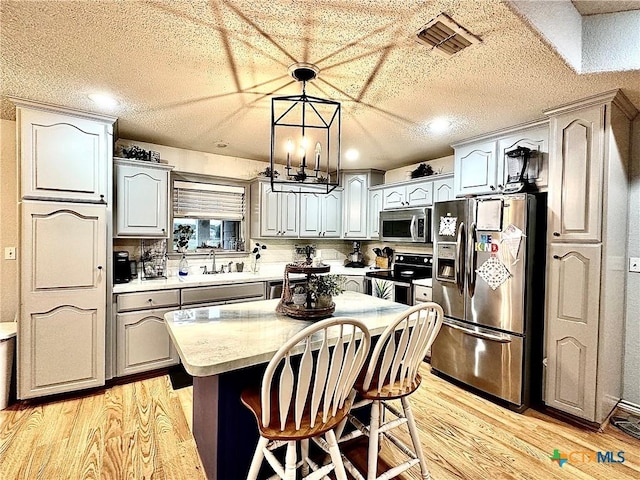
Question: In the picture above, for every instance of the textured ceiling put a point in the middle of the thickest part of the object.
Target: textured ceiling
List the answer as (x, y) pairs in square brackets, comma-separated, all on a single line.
[(194, 74), (597, 7)]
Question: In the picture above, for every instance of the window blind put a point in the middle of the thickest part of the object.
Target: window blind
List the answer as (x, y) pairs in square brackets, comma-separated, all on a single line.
[(205, 200)]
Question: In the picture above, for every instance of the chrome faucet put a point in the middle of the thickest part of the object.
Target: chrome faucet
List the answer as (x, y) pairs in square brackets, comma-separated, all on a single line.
[(212, 254)]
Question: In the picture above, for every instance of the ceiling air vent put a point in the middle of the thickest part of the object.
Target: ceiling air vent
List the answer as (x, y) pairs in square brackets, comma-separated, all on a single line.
[(445, 36)]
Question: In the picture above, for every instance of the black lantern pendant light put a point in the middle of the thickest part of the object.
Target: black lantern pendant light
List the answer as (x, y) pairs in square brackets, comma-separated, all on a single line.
[(305, 136)]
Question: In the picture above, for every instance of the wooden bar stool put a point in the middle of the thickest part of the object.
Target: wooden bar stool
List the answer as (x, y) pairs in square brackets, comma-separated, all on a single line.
[(311, 398), (392, 373)]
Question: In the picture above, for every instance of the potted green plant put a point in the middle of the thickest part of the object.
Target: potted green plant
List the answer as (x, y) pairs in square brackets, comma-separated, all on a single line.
[(182, 234), (324, 287)]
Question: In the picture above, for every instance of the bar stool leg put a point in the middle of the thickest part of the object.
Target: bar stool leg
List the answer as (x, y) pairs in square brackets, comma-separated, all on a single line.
[(304, 453), (336, 456), (415, 438), (372, 458), (258, 456), (290, 461)]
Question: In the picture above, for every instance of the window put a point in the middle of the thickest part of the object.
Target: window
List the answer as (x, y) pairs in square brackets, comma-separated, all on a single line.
[(214, 211)]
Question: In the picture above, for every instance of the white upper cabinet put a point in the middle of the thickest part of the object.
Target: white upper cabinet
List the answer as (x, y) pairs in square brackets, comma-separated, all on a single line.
[(481, 166), (142, 199), (577, 176), (375, 206), (535, 138), (279, 211), (416, 194), (64, 156), (476, 168), (355, 205), (443, 189), (320, 214)]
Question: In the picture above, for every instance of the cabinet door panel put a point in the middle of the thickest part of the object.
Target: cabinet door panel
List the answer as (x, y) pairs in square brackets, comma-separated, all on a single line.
[(443, 190), (394, 197), (355, 205), (63, 157), (375, 205), (63, 291), (419, 195), (310, 215), (536, 139), (289, 214), (573, 303), (269, 212), (332, 214), (575, 191), (143, 342), (142, 208), (476, 169)]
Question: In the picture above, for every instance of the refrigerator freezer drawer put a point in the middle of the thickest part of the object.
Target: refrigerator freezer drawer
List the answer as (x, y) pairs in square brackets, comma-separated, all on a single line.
[(487, 360)]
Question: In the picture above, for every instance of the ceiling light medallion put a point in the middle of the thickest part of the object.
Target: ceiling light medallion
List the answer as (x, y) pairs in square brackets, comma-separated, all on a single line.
[(305, 136)]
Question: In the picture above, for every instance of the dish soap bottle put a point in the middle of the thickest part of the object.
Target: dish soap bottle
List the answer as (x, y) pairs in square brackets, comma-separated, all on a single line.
[(183, 266)]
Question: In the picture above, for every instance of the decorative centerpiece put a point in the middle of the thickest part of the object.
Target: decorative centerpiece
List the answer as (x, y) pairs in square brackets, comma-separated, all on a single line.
[(312, 301), (182, 234), (324, 287)]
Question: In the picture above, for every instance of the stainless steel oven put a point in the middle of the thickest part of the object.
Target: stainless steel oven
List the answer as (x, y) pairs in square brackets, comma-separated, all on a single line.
[(406, 225), (397, 284)]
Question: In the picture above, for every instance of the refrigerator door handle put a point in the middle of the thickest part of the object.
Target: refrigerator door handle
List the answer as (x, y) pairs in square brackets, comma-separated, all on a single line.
[(473, 260), (483, 336), (459, 261)]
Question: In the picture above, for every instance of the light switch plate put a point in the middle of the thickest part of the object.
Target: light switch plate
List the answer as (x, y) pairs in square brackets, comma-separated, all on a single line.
[(634, 264), (9, 253)]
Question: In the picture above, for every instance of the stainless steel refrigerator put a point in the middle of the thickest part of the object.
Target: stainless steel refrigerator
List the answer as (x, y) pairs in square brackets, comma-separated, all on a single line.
[(489, 255)]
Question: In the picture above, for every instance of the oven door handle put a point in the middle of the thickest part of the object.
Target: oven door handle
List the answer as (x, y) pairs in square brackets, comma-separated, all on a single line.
[(483, 336)]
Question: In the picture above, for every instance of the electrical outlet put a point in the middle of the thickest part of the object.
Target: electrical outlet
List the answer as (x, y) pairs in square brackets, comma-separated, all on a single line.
[(634, 264), (10, 253)]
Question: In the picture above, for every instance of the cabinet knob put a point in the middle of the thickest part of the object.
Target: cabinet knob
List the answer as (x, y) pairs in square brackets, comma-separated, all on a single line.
[(150, 300), (99, 267), (102, 198), (557, 257), (492, 187), (556, 234), (500, 187)]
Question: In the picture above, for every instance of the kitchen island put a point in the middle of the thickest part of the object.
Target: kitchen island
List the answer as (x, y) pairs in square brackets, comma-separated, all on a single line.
[(226, 348)]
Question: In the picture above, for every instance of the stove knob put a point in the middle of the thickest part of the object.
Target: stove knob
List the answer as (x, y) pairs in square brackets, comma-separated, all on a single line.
[(401, 258)]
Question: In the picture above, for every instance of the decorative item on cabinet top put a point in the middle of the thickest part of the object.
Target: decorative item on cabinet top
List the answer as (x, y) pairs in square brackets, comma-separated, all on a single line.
[(137, 153)]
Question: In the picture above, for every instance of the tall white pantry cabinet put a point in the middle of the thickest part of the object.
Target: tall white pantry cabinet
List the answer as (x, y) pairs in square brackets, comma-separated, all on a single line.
[(64, 158), (587, 237)]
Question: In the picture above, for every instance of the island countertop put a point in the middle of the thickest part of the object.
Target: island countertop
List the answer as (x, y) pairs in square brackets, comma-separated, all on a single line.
[(219, 339)]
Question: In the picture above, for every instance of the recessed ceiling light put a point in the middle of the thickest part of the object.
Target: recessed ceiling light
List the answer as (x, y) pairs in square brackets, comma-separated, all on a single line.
[(352, 154), (103, 100), (439, 125)]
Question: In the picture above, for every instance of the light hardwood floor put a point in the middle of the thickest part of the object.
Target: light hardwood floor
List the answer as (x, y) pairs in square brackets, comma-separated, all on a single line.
[(141, 431)]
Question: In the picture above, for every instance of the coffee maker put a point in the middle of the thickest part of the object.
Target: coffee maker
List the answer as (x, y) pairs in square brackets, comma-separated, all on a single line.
[(121, 267)]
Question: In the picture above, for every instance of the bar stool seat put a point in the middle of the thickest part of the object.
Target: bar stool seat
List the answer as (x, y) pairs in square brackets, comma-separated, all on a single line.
[(305, 400), (392, 373)]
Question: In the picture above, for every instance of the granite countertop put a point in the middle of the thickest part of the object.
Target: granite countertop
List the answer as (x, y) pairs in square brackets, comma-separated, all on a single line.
[(223, 338), (268, 272)]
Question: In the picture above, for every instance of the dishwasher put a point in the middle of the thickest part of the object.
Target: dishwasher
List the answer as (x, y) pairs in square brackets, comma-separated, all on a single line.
[(197, 297)]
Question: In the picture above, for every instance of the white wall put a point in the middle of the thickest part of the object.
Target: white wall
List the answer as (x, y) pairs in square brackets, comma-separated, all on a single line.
[(631, 385), (9, 223)]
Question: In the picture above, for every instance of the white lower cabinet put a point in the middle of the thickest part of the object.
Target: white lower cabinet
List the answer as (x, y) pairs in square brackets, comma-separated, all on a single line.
[(573, 305), (143, 342), (354, 283)]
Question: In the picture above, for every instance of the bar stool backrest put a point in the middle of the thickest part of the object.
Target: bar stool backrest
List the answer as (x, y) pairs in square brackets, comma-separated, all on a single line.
[(322, 379), (403, 345)]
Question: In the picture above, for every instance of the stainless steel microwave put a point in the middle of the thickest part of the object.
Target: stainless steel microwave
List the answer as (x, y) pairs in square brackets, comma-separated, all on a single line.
[(406, 225)]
